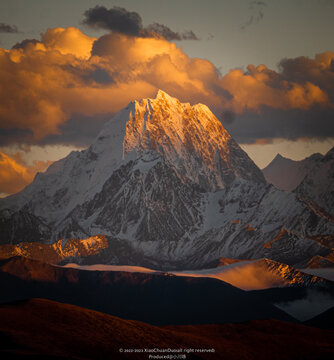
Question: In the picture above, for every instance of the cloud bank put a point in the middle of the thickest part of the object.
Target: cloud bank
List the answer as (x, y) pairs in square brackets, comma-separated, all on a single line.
[(62, 88), (47, 85)]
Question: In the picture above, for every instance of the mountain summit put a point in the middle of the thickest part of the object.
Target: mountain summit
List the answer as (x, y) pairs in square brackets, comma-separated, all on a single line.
[(189, 138), (169, 188)]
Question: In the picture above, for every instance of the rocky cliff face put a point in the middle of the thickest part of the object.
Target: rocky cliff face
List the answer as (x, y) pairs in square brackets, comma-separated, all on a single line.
[(171, 188), (21, 226)]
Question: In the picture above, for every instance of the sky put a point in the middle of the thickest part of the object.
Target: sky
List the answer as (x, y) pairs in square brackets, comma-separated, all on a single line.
[(265, 68)]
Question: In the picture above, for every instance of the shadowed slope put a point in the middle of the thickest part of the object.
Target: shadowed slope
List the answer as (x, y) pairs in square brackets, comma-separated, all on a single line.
[(45, 329), (155, 298), (324, 320)]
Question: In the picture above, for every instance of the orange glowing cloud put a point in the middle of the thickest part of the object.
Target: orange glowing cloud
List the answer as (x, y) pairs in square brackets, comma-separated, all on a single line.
[(47, 82), (15, 176), (68, 41), (263, 87), (43, 84), (262, 141)]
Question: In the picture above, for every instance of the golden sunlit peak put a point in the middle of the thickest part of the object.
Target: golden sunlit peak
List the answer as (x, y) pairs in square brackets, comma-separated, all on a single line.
[(163, 95)]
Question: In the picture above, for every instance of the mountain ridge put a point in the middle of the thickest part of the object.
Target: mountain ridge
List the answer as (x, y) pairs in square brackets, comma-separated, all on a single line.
[(156, 298), (169, 186), (287, 174)]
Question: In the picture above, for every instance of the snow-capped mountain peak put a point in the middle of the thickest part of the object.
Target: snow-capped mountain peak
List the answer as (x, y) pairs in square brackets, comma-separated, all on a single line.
[(169, 187), (188, 137)]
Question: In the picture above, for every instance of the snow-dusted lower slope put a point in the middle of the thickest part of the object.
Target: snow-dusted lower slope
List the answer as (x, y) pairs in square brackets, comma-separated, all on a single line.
[(259, 274), (20, 226), (74, 179), (170, 188), (174, 224), (312, 178), (246, 275)]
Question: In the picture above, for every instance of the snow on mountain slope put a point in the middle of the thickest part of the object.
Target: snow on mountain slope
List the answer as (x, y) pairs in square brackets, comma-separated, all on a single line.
[(318, 184), (22, 226), (74, 179), (287, 174), (166, 219), (170, 188), (247, 275), (312, 178), (189, 138)]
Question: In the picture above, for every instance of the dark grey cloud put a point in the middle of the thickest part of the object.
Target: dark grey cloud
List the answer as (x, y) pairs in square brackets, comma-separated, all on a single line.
[(118, 19), (23, 44), (79, 131), (15, 136), (256, 9), (227, 117), (169, 34), (289, 124), (318, 71), (308, 112), (115, 19), (101, 76), (9, 29)]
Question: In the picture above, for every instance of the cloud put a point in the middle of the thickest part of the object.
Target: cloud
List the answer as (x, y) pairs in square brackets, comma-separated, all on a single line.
[(120, 20), (227, 117), (167, 33), (15, 175), (46, 83), (295, 102), (314, 303), (25, 43), (318, 71), (256, 13), (68, 41), (260, 86), (79, 131), (9, 29), (116, 19), (63, 87), (290, 124)]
